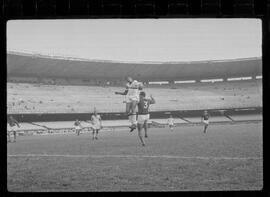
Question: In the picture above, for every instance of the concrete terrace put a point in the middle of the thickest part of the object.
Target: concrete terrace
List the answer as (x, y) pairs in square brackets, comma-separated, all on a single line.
[(38, 98)]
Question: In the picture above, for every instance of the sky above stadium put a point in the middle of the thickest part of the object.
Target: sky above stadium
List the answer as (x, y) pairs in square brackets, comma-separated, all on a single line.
[(138, 39)]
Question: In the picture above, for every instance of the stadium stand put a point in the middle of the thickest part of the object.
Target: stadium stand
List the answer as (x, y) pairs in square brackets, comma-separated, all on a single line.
[(36, 67), (40, 98)]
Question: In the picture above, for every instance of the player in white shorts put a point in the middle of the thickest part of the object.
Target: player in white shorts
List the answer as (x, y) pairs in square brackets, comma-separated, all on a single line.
[(205, 120), (97, 124), (171, 122), (12, 127), (132, 91), (78, 127), (143, 114)]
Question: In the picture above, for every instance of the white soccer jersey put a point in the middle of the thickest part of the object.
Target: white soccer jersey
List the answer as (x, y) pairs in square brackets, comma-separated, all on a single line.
[(96, 119), (11, 128), (133, 91), (170, 121)]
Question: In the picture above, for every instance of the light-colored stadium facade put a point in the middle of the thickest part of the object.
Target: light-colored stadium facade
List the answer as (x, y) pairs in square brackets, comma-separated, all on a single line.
[(32, 68)]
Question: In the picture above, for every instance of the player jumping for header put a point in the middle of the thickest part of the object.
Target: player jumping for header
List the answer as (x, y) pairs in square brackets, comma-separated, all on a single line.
[(12, 123), (205, 119), (133, 88), (143, 114)]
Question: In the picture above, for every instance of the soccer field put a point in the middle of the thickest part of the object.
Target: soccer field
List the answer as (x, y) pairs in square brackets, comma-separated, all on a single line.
[(227, 157)]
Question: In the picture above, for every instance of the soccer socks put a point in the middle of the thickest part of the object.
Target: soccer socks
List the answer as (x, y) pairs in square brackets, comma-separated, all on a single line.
[(140, 135), (130, 118), (134, 119)]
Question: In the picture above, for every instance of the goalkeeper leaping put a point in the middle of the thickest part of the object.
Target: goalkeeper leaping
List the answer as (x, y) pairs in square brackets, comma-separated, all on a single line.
[(132, 92)]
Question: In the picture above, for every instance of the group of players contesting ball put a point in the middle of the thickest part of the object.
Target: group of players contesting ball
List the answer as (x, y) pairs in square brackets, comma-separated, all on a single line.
[(137, 109)]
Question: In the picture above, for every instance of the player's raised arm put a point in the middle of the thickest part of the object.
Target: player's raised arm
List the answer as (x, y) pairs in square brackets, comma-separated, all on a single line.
[(122, 93), (16, 122), (152, 101)]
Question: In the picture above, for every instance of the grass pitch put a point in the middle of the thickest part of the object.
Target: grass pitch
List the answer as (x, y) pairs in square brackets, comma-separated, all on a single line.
[(227, 157)]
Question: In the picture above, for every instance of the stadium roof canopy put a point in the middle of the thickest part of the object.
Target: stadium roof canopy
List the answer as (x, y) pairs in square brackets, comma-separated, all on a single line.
[(30, 65)]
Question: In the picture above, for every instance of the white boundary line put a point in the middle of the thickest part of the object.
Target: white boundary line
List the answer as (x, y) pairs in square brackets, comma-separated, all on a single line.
[(138, 156)]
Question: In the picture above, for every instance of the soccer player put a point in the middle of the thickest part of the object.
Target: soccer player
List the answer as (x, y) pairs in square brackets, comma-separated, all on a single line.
[(205, 120), (12, 123), (132, 91), (143, 114), (97, 124), (78, 127), (171, 122)]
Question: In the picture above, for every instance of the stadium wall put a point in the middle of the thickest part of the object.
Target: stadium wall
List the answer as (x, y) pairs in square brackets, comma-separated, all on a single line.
[(122, 116)]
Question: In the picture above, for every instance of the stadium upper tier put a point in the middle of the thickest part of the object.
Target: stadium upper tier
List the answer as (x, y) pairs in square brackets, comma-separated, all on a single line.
[(39, 98), (30, 65)]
